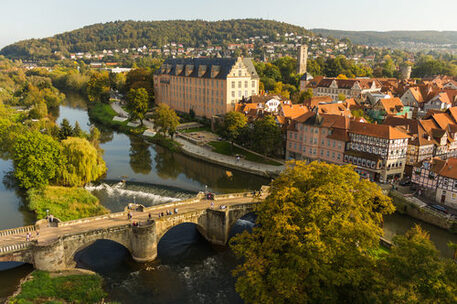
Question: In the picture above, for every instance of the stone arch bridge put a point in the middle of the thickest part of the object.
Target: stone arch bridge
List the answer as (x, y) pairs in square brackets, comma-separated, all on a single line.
[(54, 248)]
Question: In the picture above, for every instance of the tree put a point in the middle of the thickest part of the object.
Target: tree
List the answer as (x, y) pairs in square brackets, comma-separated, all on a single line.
[(65, 129), (98, 87), (83, 162), (137, 103), (414, 272), (37, 159), (77, 131), (341, 97), (38, 111), (306, 95), (314, 237), (266, 135), (233, 123), (166, 119)]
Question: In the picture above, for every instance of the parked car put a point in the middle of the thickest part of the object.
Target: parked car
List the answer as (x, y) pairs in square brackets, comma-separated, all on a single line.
[(439, 208)]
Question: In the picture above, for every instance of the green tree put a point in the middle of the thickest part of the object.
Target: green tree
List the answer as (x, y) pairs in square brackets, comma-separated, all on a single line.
[(266, 135), (38, 111), (341, 97), (37, 159), (314, 239), (77, 131), (306, 95), (414, 272), (83, 162), (137, 103), (98, 87), (65, 130), (165, 119), (234, 122)]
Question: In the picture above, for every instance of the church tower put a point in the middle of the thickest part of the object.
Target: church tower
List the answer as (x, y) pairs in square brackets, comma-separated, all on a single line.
[(302, 59)]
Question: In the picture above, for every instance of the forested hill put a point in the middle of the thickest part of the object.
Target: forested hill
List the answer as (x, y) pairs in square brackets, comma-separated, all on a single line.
[(123, 34), (393, 38)]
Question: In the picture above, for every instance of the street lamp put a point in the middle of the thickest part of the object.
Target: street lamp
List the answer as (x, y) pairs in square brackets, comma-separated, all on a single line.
[(206, 188), (47, 212)]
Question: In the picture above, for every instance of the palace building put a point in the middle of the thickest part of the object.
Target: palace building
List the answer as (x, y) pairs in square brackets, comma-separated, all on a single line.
[(208, 86)]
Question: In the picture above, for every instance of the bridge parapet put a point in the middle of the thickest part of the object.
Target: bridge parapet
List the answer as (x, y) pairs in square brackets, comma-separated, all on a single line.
[(232, 195), (92, 219), (18, 230), (16, 247)]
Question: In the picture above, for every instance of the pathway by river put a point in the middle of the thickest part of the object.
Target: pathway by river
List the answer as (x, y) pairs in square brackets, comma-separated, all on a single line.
[(188, 269)]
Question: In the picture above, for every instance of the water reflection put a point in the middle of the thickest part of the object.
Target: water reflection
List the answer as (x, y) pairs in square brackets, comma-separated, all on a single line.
[(140, 156)]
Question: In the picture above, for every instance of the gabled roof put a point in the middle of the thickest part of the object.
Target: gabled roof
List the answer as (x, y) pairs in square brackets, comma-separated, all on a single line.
[(294, 110), (177, 67), (391, 105), (364, 83), (450, 168), (316, 100), (382, 131), (416, 92)]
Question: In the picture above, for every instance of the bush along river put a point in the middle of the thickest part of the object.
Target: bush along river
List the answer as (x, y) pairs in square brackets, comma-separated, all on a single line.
[(188, 269)]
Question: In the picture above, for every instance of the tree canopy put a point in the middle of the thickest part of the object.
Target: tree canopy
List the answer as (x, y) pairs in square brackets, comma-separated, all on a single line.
[(137, 103), (314, 239), (165, 119)]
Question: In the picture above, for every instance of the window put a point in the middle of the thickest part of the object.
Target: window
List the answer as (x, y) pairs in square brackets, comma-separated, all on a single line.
[(239, 72), (233, 84), (253, 84), (239, 84), (233, 93), (246, 84)]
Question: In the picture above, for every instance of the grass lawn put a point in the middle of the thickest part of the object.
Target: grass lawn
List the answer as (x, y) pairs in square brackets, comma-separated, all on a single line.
[(224, 147), (104, 114), (166, 142), (43, 288), (208, 129), (65, 203)]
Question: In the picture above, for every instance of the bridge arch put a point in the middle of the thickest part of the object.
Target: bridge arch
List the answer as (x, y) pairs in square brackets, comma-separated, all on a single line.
[(76, 243), (164, 225)]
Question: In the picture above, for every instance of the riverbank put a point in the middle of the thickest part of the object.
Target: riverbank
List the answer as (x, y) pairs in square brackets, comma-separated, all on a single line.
[(73, 286), (231, 162), (417, 209), (105, 113), (64, 203)]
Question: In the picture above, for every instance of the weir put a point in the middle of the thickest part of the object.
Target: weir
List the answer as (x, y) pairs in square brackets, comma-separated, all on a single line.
[(55, 246)]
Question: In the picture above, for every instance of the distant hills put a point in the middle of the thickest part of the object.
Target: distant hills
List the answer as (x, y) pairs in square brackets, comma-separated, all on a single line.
[(394, 38), (129, 34)]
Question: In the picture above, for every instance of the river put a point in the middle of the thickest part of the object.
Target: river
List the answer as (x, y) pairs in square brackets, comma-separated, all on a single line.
[(188, 269)]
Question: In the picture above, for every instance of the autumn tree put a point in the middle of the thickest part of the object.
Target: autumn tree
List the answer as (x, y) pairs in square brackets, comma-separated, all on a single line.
[(414, 272), (137, 103), (165, 119), (98, 87), (314, 240)]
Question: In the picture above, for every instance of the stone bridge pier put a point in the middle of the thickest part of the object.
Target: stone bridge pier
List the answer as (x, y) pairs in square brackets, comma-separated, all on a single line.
[(141, 241)]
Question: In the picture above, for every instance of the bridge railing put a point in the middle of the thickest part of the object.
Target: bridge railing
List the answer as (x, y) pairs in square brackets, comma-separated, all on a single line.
[(232, 195), (16, 247), (17, 230), (92, 219)]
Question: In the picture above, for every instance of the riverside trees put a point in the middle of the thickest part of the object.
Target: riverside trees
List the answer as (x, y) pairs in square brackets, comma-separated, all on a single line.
[(317, 240)]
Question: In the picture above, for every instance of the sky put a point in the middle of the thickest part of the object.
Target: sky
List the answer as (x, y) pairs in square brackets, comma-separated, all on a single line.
[(24, 19)]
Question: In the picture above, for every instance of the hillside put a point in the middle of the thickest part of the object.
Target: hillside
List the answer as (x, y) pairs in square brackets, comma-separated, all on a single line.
[(128, 34), (395, 38)]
